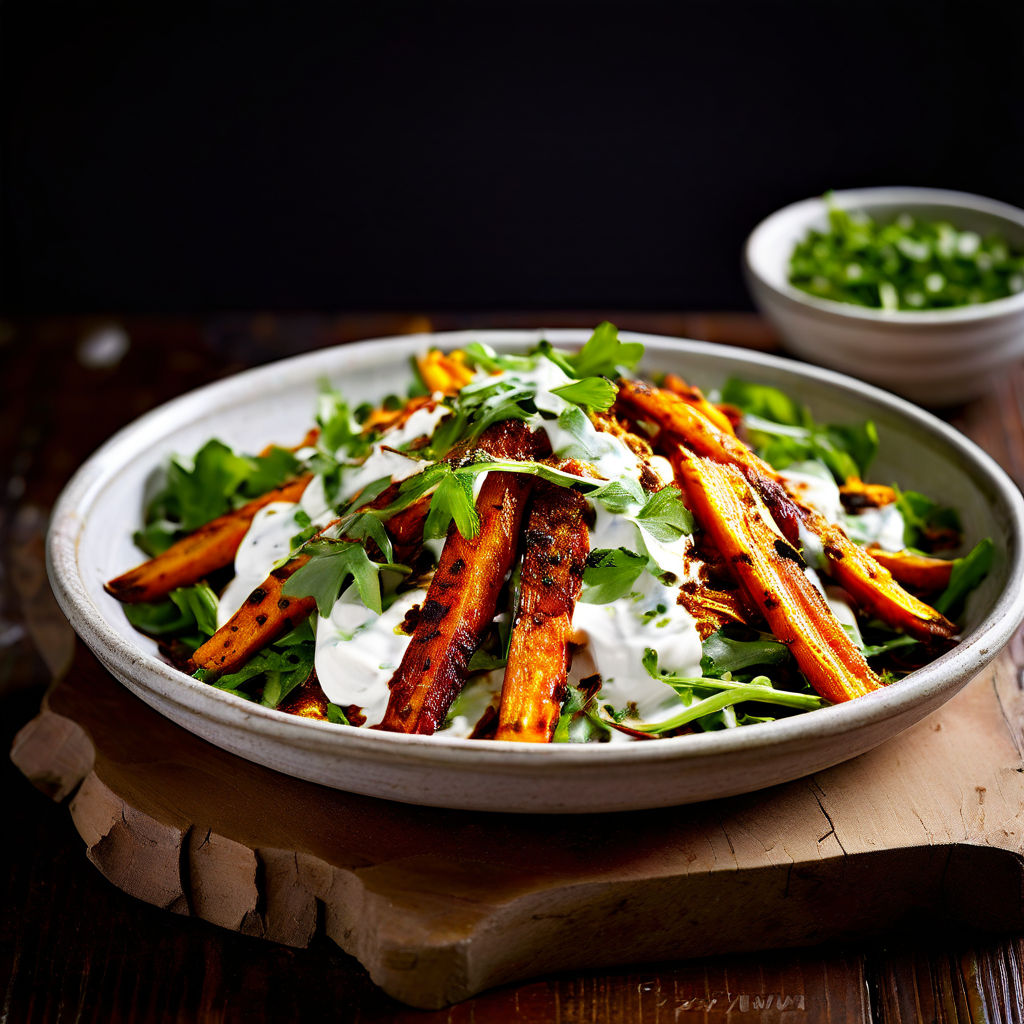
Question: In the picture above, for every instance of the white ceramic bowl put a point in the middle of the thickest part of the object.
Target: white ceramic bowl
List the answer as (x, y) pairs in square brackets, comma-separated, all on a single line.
[(90, 542), (934, 357)]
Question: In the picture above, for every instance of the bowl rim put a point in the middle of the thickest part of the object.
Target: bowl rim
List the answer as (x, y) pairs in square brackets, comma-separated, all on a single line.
[(805, 210), (947, 673)]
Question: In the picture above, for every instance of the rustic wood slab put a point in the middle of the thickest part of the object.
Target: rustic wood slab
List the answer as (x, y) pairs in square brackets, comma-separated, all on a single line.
[(439, 905)]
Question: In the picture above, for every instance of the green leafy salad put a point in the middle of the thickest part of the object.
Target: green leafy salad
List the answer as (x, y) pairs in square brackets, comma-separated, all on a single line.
[(537, 546)]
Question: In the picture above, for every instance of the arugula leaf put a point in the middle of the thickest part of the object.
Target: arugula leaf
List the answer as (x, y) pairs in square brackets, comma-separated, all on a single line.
[(610, 574), (783, 431), (331, 564), (729, 694), (723, 653), (665, 517), (594, 392), (453, 499), (724, 694), (365, 525), (926, 524), (484, 357), (766, 402), (281, 667), (188, 613), (339, 429), (216, 480), (874, 650), (199, 603), (579, 721), (604, 355), (968, 572)]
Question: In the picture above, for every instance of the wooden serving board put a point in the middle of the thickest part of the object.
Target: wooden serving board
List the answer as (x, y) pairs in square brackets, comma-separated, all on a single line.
[(439, 905)]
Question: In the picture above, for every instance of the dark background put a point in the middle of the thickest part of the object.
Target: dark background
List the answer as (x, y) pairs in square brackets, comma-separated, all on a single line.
[(485, 156)]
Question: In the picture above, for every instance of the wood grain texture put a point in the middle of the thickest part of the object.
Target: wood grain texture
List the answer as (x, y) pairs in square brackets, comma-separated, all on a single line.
[(439, 905)]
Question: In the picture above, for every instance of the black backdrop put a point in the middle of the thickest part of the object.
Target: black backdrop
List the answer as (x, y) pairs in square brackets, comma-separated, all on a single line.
[(478, 155)]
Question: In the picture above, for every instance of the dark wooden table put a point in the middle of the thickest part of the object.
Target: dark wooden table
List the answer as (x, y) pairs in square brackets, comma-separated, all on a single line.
[(74, 948)]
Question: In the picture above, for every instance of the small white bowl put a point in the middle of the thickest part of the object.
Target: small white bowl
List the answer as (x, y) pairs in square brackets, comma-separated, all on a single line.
[(934, 357)]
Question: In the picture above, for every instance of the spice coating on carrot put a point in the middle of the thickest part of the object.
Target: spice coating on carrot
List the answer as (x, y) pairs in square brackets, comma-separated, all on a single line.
[(772, 573), (868, 583), (463, 594), (920, 572), (265, 615), (557, 543)]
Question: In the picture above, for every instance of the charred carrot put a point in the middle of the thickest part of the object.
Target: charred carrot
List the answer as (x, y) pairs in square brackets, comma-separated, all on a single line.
[(446, 373), (712, 608), (856, 494), (694, 397), (921, 572), (463, 594), (266, 615), (557, 542), (867, 582), (873, 587), (771, 571), (194, 557)]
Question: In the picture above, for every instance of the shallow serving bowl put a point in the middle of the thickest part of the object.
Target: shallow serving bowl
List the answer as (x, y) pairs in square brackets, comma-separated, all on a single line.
[(934, 357), (90, 542)]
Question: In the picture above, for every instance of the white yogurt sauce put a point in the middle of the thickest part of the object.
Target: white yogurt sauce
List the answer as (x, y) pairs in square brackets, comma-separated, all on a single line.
[(267, 541), (358, 651)]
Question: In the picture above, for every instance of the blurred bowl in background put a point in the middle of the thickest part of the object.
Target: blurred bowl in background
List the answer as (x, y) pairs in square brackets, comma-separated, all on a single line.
[(934, 357)]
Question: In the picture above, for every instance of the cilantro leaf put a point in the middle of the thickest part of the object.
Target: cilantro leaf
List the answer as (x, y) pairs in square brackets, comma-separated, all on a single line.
[(604, 355), (331, 564), (594, 392), (610, 574), (216, 480), (269, 471), (453, 499), (339, 429), (665, 517)]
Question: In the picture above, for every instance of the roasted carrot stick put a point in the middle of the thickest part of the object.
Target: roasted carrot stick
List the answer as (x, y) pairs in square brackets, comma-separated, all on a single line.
[(873, 587), (771, 571), (695, 397), (193, 557), (912, 570), (856, 494), (266, 614), (557, 542), (463, 594), (447, 373), (867, 582)]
